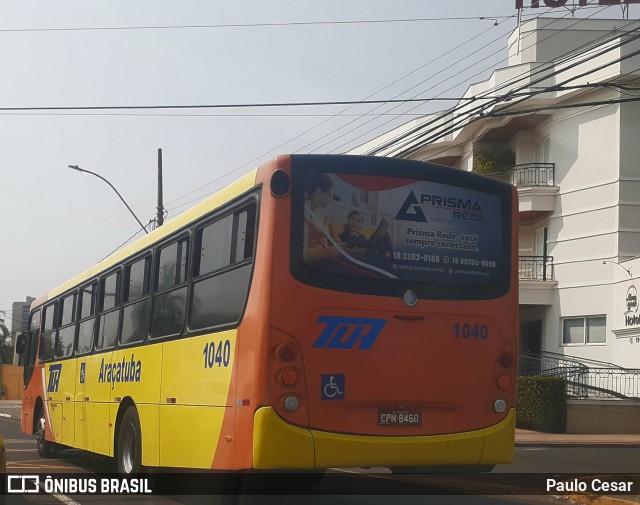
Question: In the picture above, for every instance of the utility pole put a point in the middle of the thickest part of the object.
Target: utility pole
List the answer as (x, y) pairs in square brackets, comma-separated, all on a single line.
[(160, 214)]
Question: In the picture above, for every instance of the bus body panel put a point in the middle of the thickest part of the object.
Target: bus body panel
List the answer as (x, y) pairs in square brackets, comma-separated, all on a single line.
[(423, 362), (196, 379), (405, 365), (281, 445)]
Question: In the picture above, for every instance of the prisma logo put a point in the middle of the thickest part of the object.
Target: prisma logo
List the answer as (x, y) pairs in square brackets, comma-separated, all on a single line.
[(461, 209), (411, 210), (54, 378), (345, 332)]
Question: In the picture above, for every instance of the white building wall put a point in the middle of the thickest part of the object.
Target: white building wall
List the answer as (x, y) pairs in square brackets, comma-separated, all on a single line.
[(596, 152)]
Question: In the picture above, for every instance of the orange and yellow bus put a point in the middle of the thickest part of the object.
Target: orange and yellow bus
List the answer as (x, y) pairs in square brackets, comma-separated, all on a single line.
[(322, 311)]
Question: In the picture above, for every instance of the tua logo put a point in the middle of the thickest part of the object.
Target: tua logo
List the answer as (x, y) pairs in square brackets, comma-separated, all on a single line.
[(54, 378), (345, 332)]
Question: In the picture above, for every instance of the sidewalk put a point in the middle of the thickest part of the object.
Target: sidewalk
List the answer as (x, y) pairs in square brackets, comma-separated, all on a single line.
[(527, 438)]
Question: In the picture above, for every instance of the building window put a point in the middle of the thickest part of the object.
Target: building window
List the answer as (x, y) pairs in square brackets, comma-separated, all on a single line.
[(584, 330)]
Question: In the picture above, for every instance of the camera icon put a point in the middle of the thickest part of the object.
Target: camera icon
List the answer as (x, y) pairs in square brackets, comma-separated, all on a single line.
[(23, 484)]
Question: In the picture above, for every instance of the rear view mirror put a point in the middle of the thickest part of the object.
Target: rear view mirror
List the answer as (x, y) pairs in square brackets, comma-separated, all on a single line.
[(21, 343)]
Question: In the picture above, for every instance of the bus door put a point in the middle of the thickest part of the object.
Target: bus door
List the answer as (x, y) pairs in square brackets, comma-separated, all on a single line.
[(28, 361)]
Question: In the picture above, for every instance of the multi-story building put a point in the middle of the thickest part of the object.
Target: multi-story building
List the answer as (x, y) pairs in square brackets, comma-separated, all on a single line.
[(20, 315), (567, 110)]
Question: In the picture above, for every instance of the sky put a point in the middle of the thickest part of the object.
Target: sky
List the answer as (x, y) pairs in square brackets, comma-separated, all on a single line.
[(57, 222)]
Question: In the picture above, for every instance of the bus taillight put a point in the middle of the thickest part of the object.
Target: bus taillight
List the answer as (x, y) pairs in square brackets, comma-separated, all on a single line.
[(506, 360), (289, 377), (504, 382), (286, 352)]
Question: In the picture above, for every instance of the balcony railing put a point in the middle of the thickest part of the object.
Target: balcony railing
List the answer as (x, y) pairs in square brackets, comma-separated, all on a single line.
[(527, 175), (535, 268)]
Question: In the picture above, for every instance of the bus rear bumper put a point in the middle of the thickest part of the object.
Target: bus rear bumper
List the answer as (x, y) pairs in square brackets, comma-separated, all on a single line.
[(279, 445)]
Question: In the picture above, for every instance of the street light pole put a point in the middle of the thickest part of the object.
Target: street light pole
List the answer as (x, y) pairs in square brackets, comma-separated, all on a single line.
[(76, 167)]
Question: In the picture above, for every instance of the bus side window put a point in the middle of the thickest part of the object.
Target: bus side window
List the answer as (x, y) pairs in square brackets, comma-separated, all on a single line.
[(135, 313), (48, 338), (109, 318), (222, 270), (66, 326), (28, 358), (86, 317), (170, 286)]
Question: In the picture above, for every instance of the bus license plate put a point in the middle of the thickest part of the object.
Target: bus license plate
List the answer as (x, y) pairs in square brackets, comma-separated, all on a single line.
[(399, 417)]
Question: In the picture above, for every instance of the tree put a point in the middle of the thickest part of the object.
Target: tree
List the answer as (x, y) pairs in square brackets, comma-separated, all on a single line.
[(6, 347), (493, 161)]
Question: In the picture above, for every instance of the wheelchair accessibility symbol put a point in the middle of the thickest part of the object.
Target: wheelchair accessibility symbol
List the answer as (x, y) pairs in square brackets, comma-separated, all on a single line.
[(333, 386)]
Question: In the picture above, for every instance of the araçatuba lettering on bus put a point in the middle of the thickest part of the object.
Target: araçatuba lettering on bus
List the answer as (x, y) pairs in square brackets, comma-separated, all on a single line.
[(123, 371)]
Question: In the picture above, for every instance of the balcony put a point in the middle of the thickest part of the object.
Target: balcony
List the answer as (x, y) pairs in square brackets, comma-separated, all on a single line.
[(536, 188), (535, 275)]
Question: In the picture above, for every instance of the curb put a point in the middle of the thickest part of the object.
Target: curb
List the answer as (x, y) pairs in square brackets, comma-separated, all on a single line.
[(598, 500), (586, 443)]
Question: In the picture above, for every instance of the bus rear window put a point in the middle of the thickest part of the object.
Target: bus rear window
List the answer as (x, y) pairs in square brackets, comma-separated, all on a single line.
[(400, 229)]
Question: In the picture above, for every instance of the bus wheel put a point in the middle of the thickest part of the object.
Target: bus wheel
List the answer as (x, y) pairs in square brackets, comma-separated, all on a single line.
[(45, 448), (129, 446)]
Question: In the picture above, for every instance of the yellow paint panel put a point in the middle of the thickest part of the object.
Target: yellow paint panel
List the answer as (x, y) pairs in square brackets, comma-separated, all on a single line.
[(279, 445), (99, 433), (189, 435), (55, 416), (499, 441), (60, 383), (150, 429), (453, 449), (197, 370), (97, 412), (136, 372), (80, 425), (196, 375)]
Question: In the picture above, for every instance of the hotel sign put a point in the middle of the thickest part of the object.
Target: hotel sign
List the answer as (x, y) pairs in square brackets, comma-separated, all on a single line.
[(561, 3), (631, 317)]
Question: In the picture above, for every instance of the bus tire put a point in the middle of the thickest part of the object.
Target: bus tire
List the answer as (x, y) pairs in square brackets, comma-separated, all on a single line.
[(129, 444), (45, 448)]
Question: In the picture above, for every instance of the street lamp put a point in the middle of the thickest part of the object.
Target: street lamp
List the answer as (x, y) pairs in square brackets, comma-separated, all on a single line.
[(623, 268), (76, 167)]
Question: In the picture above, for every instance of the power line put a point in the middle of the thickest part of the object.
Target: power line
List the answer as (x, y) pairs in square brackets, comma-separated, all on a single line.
[(412, 137), (423, 128), (248, 25), (320, 124), (213, 106), (452, 87)]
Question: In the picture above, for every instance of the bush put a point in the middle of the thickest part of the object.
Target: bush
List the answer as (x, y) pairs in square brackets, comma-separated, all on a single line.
[(542, 404)]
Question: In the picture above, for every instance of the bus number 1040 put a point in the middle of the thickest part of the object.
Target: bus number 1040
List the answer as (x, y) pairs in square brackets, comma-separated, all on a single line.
[(217, 354), (466, 330)]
